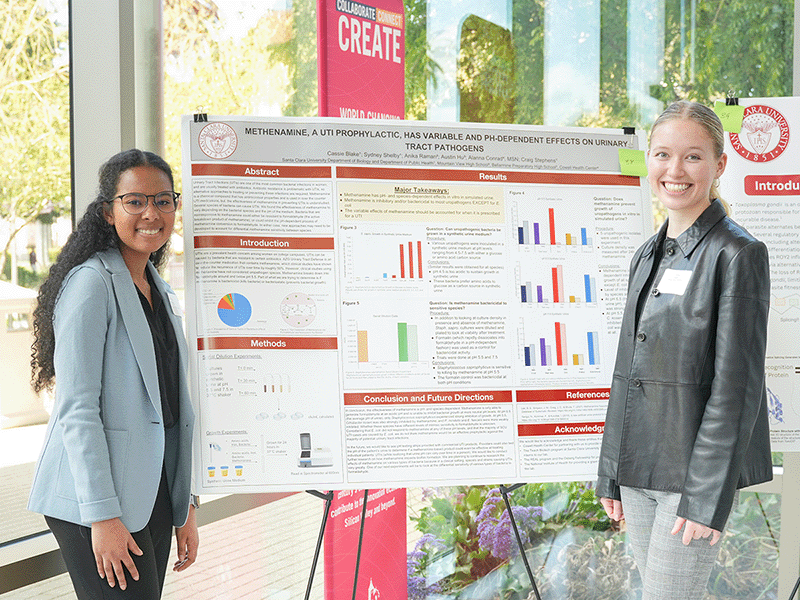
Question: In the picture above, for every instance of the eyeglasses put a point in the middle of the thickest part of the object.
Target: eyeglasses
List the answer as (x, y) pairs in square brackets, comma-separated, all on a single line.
[(136, 203)]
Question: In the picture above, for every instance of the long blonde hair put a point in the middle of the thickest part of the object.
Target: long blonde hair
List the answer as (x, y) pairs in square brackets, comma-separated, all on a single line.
[(708, 120)]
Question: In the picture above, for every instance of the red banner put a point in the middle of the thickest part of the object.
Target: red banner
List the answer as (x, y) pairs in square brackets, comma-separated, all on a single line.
[(361, 59), (382, 571)]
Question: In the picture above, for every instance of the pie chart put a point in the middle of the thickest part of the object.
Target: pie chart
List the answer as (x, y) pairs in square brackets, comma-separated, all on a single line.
[(234, 310)]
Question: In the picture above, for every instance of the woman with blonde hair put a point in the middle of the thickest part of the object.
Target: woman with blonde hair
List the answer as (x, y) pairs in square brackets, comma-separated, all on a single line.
[(686, 425)]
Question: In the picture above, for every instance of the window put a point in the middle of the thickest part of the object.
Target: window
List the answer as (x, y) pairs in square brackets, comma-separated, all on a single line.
[(18, 322)]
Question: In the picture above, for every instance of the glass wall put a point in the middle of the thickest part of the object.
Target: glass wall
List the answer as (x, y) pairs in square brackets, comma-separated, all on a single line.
[(34, 222), (605, 63), (34, 128), (467, 548)]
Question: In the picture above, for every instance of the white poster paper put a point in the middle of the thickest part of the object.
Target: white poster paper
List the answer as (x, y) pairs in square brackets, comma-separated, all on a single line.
[(761, 183), (384, 304)]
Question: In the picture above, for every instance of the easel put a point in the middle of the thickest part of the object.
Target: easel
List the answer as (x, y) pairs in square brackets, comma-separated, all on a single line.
[(504, 492), (328, 497)]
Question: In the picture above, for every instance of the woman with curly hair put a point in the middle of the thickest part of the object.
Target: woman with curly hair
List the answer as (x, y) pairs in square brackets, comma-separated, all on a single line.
[(114, 475)]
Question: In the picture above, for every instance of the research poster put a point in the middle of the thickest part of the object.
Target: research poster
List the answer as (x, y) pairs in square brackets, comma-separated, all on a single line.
[(381, 304), (762, 185)]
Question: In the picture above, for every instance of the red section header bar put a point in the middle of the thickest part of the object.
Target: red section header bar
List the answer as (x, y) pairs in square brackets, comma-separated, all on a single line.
[(266, 343), (772, 185), (262, 243), (273, 171), (488, 176), (563, 395), (560, 429), (462, 397)]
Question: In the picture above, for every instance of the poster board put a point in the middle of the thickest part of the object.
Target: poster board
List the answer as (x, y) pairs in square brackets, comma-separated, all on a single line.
[(761, 184), (379, 304)]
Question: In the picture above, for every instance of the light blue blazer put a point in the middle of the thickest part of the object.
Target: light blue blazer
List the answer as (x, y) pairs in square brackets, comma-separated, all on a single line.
[(106, 443)]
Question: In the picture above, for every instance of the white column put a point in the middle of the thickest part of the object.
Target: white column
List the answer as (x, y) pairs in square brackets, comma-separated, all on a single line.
[(149, 75), (116, 80)]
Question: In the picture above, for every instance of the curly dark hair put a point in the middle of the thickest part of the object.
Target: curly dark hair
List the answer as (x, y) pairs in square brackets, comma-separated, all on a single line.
[(92, 235)]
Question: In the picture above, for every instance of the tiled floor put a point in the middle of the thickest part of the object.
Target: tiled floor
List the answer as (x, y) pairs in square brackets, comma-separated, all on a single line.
[(263, 553), (15, 483)]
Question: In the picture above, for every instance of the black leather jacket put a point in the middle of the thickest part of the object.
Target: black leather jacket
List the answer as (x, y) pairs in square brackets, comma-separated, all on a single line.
[(688, 407)]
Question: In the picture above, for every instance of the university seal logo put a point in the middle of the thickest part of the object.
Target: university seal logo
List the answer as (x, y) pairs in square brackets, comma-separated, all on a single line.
[(217, 140), (764, 135)]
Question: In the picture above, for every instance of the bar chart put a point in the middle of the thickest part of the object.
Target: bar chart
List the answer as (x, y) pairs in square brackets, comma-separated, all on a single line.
[(405, 346), (553, 290), (384, 341), (550, 232), (383, 257), (554, 349)]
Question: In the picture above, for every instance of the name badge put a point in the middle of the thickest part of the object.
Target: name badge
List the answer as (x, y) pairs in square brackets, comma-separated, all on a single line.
[(674, 282), (175, 304)]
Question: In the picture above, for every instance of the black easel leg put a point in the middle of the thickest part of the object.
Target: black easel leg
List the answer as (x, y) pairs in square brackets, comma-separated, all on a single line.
[(328, 500), (504, 491), (794, 591), (360, 541)]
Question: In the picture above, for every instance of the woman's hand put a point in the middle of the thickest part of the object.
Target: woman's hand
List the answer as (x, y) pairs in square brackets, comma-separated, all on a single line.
[(613, 509), (694, 531), (188, 540), (112, 544)]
